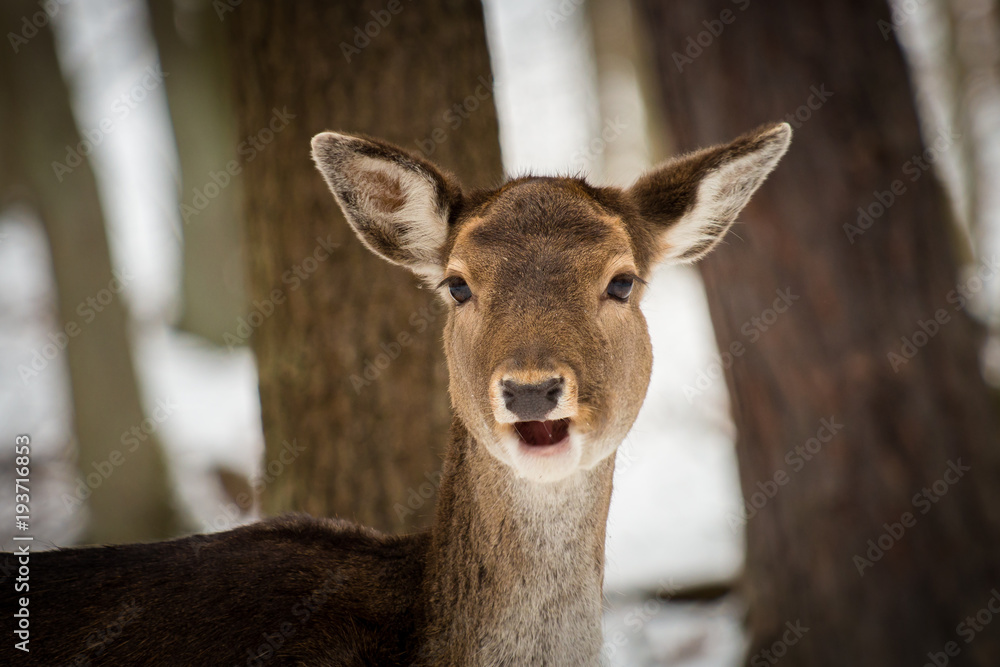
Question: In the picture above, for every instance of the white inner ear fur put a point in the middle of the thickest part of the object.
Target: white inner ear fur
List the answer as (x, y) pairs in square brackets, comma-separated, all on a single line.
[(422, 225), (721, 196)]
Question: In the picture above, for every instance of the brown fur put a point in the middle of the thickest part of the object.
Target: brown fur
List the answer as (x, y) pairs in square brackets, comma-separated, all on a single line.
[(387, 193), (511, 573)]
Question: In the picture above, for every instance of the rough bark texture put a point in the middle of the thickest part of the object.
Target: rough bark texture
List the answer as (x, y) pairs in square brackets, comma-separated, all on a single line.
[(133, 502), (372, 444), (828, 355)]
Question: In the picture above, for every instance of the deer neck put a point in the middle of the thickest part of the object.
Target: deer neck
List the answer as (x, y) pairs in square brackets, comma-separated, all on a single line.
[(516, 568)]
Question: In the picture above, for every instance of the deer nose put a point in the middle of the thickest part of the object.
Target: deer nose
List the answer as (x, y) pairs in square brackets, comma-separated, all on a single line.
[(531, 402)]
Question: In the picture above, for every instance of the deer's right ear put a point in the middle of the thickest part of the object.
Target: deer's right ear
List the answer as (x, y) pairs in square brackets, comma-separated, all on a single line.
[(691, 201), (397, 203)]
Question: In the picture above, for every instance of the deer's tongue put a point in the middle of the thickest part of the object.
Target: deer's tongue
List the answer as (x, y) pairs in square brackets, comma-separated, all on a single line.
[(539, 434)]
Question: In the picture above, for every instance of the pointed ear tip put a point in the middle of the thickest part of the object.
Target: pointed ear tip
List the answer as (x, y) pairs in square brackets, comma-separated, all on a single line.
[(328, 140), (781, 132), (320, 142)]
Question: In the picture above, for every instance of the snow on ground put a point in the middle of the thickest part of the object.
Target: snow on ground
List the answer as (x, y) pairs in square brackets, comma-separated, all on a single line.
[(657, 633)]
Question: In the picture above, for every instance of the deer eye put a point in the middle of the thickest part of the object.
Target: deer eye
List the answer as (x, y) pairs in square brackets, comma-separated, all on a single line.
[(620, 287), (459, 289)]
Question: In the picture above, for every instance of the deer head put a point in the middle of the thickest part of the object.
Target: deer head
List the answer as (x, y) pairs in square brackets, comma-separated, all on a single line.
[(548, 352)]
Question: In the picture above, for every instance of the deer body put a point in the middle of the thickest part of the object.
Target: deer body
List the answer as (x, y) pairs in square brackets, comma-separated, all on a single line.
[(548, 359)]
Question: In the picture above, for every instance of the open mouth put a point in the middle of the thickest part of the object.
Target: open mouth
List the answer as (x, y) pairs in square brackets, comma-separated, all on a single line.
[(543, 433)]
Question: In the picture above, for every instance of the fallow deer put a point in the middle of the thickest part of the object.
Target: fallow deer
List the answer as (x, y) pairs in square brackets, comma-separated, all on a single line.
[(549, 360)]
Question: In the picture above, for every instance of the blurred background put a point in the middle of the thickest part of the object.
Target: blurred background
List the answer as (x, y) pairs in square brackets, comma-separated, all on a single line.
[(179, 289)]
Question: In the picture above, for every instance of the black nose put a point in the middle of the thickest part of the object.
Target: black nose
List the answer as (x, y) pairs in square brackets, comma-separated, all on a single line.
[(531, 402)]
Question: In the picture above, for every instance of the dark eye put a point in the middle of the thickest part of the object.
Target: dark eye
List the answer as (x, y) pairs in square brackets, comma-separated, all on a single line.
[(459, 289), (620, 288)]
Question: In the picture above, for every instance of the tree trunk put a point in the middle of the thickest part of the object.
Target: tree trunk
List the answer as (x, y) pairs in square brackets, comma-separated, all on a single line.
[(868, 538), (352, 377), (130, 500), (190, 42)]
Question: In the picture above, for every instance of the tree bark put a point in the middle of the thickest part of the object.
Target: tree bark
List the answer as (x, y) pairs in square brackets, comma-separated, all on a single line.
[(905, 421), (131, 501), (350, 362)]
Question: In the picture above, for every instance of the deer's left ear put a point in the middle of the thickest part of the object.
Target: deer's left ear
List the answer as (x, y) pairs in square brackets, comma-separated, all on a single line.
[(397, 203), (691, 201)]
